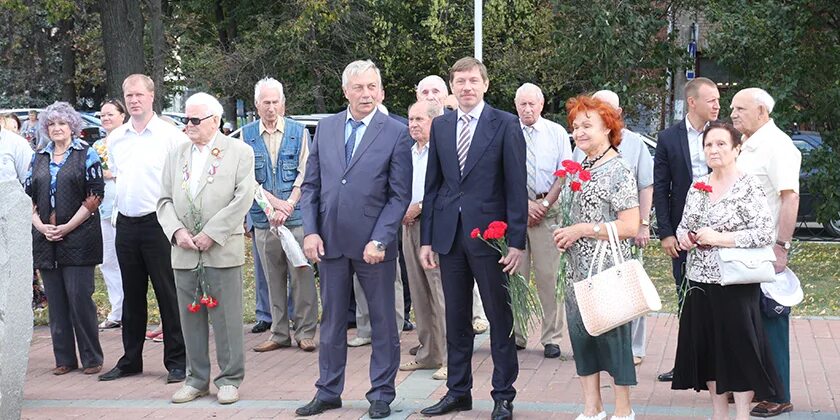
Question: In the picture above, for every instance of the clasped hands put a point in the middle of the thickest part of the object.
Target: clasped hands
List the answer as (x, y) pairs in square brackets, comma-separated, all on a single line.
[(282, 210), (55, 233), (313, 248), (200, 242)]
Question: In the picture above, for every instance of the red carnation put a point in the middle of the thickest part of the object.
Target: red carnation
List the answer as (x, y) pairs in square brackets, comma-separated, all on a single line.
[(560, 173), (193, 307), (575, 186), (475, 232), (204, 300), (491, 233), (212, 303), (702, 186), (585, 175), (571, 166), (498, 225)]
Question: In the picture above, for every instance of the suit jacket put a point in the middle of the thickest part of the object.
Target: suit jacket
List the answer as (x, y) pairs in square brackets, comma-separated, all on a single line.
[(493, 186), (350, 205), (672, 177), (223, 200)]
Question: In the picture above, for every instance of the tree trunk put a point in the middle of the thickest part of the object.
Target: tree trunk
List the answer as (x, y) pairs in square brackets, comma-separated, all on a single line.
[(122, 40), (158, 51), (68, 61)]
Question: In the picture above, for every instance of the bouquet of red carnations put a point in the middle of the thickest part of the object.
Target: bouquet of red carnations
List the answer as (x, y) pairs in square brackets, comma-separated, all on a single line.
[(573, 176)]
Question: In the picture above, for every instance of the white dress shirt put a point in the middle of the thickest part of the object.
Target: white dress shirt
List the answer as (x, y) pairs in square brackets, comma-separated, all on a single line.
[(15, 156), (136, 160), (695, 149), (420, 159), (475, 114), (198, 158), (360, 132), (551, 146)]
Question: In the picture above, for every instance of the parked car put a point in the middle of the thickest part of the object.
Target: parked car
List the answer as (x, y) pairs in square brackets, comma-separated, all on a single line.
[(807, 142), (91, 131), (309, 120)]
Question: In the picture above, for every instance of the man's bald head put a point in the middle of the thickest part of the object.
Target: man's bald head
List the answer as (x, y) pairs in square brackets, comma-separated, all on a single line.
[(609, 97)]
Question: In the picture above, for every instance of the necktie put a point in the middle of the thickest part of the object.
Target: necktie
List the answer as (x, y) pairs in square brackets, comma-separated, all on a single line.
[(350, 142), (530, 162), (464, 140)]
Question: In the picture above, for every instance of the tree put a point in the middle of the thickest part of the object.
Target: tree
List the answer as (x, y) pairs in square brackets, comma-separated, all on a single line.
[(122, 38)]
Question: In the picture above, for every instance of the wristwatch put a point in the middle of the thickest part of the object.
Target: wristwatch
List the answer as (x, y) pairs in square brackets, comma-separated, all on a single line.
[(596, 229), (545, 203), (379, 245), (783, 244), (645, 222)]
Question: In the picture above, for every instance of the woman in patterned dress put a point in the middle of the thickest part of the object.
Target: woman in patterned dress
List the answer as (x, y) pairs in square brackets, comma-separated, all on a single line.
[(610, 196), (721, 345)]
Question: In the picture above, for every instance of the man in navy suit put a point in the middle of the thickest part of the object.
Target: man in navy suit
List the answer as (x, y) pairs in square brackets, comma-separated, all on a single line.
[(679, 160), (355, 193), (475, 175)]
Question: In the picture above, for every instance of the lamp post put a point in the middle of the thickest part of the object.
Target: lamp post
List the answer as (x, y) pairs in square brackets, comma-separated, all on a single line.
[(478, 16)]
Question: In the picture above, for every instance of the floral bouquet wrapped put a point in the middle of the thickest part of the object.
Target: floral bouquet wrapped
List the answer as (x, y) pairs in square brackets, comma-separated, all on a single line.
[(102, 150), (524, 302), (573, 176)]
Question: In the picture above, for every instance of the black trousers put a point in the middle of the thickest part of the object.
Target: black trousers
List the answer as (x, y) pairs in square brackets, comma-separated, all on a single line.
[(458, 268), (144, 252)]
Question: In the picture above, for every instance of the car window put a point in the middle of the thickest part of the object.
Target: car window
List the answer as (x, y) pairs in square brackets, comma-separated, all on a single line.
[(803, 146)]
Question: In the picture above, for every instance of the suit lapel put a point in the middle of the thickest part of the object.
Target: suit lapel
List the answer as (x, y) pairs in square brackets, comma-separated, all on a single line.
[(376, 124), (220, 144), (448, 147), (338, 146), (683, 136), (482, 138)]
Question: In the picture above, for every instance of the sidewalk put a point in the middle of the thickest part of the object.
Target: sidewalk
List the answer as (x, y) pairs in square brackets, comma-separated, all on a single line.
[(278, 382)]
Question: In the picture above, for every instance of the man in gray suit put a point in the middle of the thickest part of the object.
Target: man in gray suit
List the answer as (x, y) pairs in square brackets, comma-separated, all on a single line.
[(356, 190)]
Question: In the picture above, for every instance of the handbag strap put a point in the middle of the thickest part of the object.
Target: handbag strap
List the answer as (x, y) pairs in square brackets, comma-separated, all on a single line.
[(615, 244), (598, 255), (612, 242)]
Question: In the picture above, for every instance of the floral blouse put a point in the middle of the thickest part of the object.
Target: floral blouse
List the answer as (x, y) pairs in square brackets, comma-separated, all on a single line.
[(743, 209)]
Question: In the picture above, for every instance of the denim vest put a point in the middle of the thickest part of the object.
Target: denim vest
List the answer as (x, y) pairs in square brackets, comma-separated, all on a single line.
[(279, 180)]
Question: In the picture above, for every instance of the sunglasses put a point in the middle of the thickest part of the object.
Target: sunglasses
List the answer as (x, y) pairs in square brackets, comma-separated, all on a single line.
[(196, 120)]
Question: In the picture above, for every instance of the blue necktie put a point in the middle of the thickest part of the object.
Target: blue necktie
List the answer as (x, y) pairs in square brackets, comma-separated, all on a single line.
[(350, 142)]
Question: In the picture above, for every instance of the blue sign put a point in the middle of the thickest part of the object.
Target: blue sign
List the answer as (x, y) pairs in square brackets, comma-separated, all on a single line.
[(689, 74)]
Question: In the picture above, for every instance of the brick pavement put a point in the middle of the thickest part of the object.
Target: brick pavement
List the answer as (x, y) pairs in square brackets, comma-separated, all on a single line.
[(278, 382)]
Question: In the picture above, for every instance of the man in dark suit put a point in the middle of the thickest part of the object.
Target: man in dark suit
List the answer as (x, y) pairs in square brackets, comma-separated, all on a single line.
[(475, 175), (355, 193), (679, 160)]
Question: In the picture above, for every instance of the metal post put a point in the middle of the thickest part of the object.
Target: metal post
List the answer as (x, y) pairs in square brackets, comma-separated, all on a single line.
[(478, 28)]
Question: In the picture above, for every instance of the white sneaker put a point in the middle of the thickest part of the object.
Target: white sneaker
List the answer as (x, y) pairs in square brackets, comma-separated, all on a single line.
[(187, 394), (358, 341), (600, 416), (632, 416), (228, 394), (441, 374), (480, 326)]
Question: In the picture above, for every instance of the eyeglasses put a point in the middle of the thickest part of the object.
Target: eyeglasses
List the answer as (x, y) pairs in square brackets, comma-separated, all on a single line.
[(196, 120)]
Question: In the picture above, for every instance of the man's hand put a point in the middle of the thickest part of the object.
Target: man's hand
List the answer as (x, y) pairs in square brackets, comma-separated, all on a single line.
[(643, 237), (536, 212), (247, 232), (372, 255), (781, 258), (184, 240), (202, 241), (279, 218), (511, 261), (283, 206), (411, 214), (670, 246), (313, 247), (428, 259)]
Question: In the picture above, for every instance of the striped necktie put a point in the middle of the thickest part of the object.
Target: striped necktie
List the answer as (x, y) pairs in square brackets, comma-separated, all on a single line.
[(350, 142), (530, 161), (464, 140)]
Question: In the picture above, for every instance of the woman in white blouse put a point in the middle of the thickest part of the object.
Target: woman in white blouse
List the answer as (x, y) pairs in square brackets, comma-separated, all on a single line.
[(721, 345)]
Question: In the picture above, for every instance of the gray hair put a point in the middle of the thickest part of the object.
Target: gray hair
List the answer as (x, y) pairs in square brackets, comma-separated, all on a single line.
[(607, 96), (212, 104), (358, 67), (433, 79), (270, 83), (529, 88), (60, 112), (432, 109), (762, 98)]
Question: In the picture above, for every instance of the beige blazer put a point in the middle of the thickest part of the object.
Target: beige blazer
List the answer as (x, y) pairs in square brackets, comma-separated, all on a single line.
[(223, 200)]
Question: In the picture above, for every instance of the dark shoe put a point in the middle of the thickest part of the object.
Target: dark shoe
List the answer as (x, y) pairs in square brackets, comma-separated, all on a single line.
[(666, 377), (413, 351), (408, 325), (115, 373), (176, 375), (520, 347), (379, 410), (260, 327), (61, 370), (552, 351), (317, 406), (770, 409), (448, 404), (502, 410), (92, 370)]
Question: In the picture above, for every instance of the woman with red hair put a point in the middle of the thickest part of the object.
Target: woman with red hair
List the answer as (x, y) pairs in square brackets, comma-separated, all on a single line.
[(609, 197)]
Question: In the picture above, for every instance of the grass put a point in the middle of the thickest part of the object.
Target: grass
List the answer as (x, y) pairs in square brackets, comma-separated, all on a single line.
[(816, 264)]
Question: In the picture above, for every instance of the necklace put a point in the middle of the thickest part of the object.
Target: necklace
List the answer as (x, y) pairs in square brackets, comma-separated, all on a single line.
[(588, 164)]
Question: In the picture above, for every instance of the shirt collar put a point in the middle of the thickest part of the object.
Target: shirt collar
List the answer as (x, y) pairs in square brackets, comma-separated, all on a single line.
[(751, 143), (74, 144), (207, 148), (417, 151), (537, 125), (689, 128), (152, 126), (280, 126), (475, 113), (366, 120)]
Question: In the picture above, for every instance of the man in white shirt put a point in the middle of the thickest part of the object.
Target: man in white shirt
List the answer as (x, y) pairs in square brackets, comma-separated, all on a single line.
[(425, 285), (547, 146), (769, 154), (137, 151), (15, 156)]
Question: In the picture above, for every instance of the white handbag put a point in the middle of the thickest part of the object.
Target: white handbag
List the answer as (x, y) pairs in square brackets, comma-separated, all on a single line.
[(615, 296), (746, 265)]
